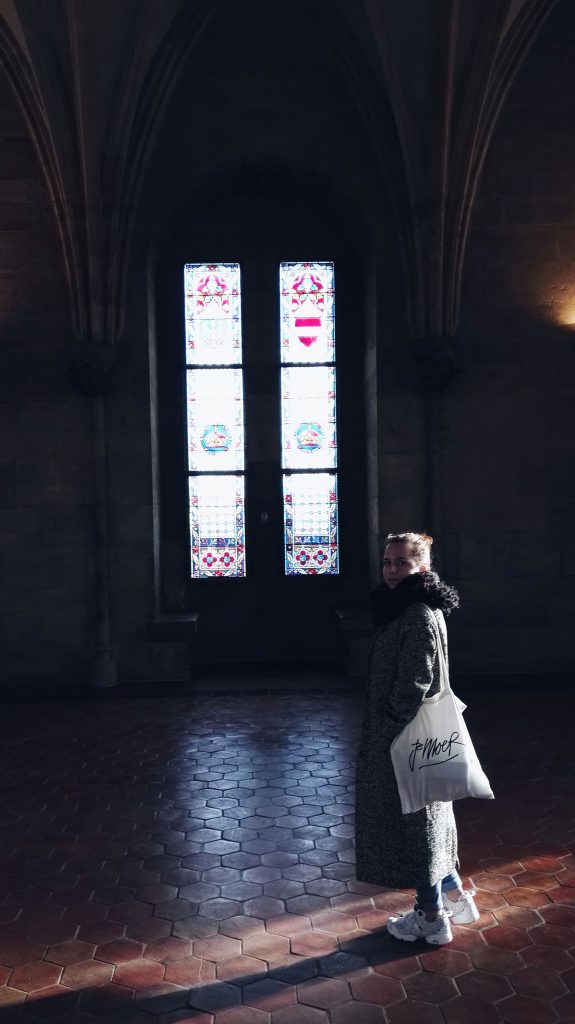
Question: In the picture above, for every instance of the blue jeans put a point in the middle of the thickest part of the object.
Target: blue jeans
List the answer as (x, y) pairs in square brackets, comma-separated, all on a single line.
[(428, 897)]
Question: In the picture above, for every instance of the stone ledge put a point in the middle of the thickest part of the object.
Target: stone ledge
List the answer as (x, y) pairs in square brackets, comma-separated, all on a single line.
[(177, 626), (356, 631)]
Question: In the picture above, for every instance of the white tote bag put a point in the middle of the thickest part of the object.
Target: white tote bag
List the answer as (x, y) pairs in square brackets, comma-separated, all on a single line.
[(433, 757)]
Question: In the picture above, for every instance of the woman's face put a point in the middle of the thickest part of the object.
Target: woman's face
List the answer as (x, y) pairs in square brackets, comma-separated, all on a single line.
[(399, 562)]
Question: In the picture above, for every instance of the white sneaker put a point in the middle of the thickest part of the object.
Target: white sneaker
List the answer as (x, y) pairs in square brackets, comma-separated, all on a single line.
[(415, 926), (463, 910)]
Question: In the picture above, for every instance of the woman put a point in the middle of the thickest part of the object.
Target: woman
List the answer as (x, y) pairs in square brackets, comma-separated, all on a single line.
[(404, 851)]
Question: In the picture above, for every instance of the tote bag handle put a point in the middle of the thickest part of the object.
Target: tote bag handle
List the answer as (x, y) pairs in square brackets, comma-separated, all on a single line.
[(444, 684)]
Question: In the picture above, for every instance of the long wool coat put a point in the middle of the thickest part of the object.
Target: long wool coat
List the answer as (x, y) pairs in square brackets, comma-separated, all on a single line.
[(398, 850)]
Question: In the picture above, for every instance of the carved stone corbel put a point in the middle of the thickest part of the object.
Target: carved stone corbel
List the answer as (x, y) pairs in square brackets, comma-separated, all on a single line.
[(92, 368), (438, 364)]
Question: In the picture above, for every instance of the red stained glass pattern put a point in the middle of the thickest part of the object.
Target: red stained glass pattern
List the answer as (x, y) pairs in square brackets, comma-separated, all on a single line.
[(307, 312), (309, 435), (213, 313), (310, 516), (217, 525), (215, 419)]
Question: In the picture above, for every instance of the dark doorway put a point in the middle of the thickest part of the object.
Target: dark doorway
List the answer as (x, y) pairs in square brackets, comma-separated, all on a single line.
[(260, 219)]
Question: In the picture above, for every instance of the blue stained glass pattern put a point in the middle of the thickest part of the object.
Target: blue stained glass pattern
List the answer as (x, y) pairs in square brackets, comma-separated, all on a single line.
[(217, 526), (307, 312), (310, 519), (213, 314), (215, 419), (308, 417)]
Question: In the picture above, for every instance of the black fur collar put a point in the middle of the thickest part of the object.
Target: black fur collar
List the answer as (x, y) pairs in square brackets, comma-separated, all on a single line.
[(421, 587)]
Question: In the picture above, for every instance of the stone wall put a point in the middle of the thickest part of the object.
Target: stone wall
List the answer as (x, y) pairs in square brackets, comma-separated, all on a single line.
[(508, 424), (504, 429), (45, 519)]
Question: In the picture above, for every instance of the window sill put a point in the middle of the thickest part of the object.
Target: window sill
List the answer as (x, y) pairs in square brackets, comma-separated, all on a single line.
[(176, 626)]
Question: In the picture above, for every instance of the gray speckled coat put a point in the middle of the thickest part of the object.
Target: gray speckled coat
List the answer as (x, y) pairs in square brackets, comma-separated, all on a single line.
[(402, 851)]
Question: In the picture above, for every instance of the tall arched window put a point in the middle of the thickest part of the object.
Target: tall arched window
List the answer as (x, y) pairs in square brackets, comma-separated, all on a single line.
[(215, 419), (309, 433)]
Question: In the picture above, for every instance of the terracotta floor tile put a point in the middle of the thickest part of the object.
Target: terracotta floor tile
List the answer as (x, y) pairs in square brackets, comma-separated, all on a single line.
[(288, 924), (409, 1011), (445, 960), (168, 949), (87, 973), (522, 1010), (491, 882), (161, 998), (430, 988), (535, 880), (240, 927), (217, 948), (547, 958), (505, 937), (196, 927), (377, 988), (466, 939), (14, 955), (299, 1014), (243, 1015), (70, 952), (468, 1011), (557, 914), (541, 863), (555, 935), (220, 860), (314, 943), (106, 1001), (81, 913), (148, 930), (500, 961), (400, 969), (517, 917), (139, 974), (98, 932), (527, 898), (537, 983), (342, 965), (323, 993), (564, 894), (357, 1013), (568, 978), (217, 996), (485, 987), (220, 908), (172, 910), (29, 977), (565, 1006), (190, 972), (292, 969), (119, 951), (241, 970), (11, 996)]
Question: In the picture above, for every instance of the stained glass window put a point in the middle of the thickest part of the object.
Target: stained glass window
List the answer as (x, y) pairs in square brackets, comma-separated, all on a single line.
[(217, 525), (213, 314), (308, 417), (310, 519), (309, 437), (307, 312), (215, 419)]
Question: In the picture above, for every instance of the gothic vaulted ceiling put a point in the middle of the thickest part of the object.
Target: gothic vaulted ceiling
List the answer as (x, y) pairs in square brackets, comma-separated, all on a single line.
[(94, 78)]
